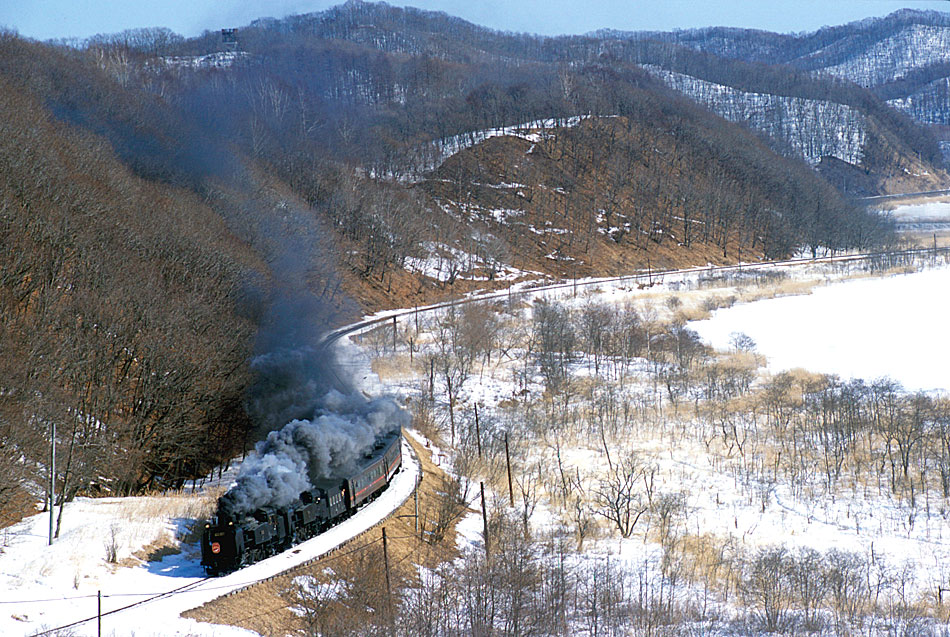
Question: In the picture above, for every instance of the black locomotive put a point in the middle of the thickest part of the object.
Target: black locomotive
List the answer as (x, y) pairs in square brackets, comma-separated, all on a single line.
[(228, 544)]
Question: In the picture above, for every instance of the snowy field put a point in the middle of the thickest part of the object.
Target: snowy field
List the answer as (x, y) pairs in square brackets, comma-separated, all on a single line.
[(869, 328), (732, 500)]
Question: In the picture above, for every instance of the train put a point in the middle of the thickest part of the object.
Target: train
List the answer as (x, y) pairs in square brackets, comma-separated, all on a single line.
[(229, 543)]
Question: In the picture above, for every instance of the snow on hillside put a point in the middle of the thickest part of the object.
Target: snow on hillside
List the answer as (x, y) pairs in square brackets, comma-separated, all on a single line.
[(445, 263), (930, 104), (845, 329), (914, 46), (432, 155), (220, 60), (812, 128)]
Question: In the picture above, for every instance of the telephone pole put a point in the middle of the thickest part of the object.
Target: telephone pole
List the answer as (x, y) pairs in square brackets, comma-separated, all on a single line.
[(52, 477)]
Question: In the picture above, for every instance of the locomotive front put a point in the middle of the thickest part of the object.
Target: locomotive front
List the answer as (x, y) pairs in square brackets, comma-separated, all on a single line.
[(222, 545)]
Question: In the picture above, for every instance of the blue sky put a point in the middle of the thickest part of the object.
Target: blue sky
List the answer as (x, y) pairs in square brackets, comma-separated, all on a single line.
[(46, 19)]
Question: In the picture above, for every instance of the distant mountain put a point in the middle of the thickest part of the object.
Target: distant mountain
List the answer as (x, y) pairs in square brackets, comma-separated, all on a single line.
[(903, 58), (868, 52), (848, 133)]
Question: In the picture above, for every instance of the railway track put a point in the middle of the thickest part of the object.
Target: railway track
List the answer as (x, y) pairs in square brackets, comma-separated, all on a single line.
[(644, 279), (252, 575)]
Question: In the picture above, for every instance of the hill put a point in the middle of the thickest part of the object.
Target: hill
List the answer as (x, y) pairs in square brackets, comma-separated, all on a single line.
[(142, 390), (902, 58)]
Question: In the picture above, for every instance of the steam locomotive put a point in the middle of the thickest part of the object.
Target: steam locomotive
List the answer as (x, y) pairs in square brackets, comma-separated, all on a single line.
[(228, 543)]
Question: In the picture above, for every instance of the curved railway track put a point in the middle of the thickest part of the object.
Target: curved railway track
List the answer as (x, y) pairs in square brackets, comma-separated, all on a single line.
[(638, 278)]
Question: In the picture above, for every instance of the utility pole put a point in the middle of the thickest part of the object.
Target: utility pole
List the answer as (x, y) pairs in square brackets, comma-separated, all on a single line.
[(416, 494), (389, 590), (511, 491), (431, 380), (478, 434), (52, 477), (481, 486)]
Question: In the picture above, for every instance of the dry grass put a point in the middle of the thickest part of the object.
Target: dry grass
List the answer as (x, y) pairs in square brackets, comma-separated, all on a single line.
[(173, 506), (926, 239), (134, 520), (712, 560), (394, 368), (162, 546), (786, 287)]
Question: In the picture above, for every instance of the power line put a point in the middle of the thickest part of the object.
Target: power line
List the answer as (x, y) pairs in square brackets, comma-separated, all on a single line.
[(37, 601)]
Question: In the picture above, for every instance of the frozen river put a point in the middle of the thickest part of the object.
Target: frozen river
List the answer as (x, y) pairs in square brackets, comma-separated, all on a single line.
[(897, 326), (933, 211)]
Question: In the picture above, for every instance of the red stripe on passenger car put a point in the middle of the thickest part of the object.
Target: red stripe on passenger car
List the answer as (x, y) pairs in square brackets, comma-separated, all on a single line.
[(360, 492)]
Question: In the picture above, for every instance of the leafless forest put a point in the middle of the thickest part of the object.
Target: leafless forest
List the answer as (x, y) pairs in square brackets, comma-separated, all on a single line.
[(615, 449)]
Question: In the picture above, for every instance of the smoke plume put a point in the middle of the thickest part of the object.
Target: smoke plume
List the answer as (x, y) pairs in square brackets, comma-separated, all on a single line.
[(313, 421), (329, 444)]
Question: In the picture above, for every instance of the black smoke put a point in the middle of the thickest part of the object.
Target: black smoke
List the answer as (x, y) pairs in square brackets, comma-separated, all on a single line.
[(314, 421), (328, 444)]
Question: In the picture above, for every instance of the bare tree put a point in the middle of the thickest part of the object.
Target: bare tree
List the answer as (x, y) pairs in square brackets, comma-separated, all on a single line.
[(769, 586), (455, 355), (554, 338), (810, 581), (621, 495)]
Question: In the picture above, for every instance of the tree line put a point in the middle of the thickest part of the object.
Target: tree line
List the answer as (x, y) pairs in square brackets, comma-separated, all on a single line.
[(121, 320)]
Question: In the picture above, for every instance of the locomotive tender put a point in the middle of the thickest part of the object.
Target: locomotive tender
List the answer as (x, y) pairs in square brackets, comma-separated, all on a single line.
[(228, 544)]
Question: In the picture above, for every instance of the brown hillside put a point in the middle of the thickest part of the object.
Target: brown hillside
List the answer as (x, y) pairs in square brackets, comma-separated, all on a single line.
[(613, 195), (119, 317)]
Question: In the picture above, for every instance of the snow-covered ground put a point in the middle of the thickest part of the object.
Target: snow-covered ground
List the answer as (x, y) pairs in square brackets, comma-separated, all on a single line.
[(725, 501), (46, 587), (894, 326)]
